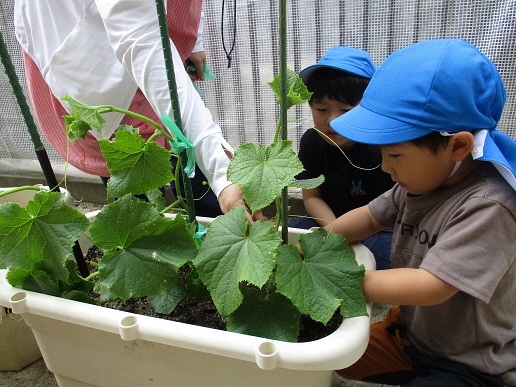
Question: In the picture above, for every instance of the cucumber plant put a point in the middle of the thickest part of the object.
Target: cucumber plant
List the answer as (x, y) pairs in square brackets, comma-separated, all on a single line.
[(260, 284)]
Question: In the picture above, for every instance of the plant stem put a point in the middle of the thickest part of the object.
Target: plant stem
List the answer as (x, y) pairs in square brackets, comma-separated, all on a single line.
[(136, 115), (22, 188), (278, 213), (173, 206), (159, 129), (278, 128), (91, 276)]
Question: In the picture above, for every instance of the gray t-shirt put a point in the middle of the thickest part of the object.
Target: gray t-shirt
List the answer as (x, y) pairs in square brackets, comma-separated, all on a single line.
[(466, 236)]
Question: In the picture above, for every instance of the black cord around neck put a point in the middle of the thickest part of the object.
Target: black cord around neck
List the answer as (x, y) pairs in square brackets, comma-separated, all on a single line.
[(228, 54)]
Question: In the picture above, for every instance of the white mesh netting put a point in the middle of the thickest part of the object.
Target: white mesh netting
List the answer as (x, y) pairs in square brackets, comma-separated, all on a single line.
[(240, 99)]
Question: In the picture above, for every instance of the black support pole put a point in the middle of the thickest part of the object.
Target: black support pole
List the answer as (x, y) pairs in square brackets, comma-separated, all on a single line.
[(41, 152)]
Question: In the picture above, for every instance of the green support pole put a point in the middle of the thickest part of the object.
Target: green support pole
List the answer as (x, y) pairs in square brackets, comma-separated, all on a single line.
[(169, 65), (283, 106)]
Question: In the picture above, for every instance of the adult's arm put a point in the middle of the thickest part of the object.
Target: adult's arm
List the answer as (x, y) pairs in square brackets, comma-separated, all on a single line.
[(133, 32)]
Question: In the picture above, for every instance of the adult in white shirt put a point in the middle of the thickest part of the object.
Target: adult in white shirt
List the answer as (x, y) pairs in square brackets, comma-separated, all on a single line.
[(110, 52)]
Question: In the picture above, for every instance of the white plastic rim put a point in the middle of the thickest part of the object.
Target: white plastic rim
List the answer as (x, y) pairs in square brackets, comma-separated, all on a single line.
[(22, 197)]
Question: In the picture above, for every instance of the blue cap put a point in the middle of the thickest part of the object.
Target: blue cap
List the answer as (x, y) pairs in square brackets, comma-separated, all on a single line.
[(349, 59), (444, 85)]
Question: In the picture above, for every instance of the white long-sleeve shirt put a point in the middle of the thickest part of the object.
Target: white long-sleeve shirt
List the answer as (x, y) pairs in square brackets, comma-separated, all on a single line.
[(102, 52)]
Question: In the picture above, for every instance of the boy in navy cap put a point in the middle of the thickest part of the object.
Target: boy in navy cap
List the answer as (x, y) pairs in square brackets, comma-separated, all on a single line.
[(352, 172), (433, 108)]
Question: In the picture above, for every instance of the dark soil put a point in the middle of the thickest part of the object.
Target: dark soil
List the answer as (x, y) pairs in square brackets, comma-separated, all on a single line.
[(204, 313)]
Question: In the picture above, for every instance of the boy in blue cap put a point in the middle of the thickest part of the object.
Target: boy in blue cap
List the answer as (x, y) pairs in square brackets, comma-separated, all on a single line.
[(433, 108), (352, 172)]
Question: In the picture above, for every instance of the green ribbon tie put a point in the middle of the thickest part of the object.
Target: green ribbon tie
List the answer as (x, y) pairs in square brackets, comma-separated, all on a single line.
[(208, 76), (179, 144), (201, 230)]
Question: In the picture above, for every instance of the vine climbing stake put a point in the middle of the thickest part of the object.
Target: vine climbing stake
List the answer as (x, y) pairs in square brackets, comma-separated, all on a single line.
[(41, 152), (172, 87)]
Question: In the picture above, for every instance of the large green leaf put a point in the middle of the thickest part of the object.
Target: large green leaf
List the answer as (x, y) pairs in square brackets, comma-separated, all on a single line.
[(137, 272), (263, 173), (327, 277), (231, 254), (272, 316), (41, 235), (124, 221), (143, 250), (136, 166)]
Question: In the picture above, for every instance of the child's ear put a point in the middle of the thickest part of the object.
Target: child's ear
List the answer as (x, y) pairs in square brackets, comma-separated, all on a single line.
[(461, 145)]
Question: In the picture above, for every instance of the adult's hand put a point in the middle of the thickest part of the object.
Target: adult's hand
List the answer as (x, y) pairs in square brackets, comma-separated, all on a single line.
[(198, 59), (231, 197)]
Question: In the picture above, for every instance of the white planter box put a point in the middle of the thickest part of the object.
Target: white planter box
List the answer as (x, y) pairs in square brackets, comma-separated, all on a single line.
[(85, 344)]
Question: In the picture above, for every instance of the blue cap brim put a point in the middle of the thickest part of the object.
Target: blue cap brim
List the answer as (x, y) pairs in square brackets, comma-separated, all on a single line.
[(307, 72), (347, 59), (362, 125)]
